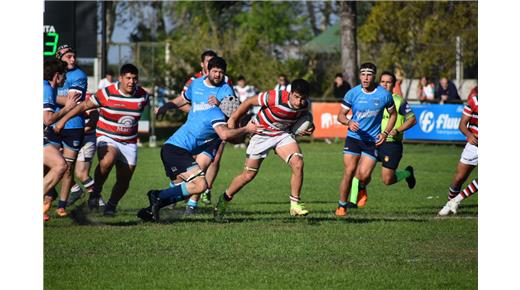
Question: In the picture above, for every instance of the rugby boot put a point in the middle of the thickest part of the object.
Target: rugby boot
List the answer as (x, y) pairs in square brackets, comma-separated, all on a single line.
[(410, 179), (341, 211), (205, 197), (450, 207), (220, 209), (298, 209), (362, 198)]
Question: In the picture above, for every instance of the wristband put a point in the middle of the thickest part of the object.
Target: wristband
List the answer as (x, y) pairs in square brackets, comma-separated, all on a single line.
[(386, 133)]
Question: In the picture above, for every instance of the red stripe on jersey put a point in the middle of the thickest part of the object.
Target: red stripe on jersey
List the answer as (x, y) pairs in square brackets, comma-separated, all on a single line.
[(471, 110), (119, 114), (276, 115)]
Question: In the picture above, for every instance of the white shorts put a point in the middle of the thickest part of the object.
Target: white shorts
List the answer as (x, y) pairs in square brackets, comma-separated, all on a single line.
[(470, 155), (88, 148), (127, 152), (259, 145)]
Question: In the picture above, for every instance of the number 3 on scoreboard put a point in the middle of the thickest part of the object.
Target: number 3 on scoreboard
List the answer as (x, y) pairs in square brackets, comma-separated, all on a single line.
[(53, 45)]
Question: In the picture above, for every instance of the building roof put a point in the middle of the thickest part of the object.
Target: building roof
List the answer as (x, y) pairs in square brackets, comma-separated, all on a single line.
[(328, 41)]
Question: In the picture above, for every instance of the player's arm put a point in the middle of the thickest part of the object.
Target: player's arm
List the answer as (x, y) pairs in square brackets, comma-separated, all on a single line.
[(179, 102), (463, 127), (93, 118), (241, 111), (80, 108), (225, 133), (389, 126), (344, 119), (409, 117), (50, 117)]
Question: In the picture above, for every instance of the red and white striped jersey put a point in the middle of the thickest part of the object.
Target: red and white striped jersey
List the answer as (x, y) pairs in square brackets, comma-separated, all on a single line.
[(119, 113), (201, 74), (276, 114), (471, 110)]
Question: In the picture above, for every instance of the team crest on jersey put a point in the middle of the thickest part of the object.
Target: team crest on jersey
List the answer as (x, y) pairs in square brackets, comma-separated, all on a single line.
[(376, 102), (139, 106)]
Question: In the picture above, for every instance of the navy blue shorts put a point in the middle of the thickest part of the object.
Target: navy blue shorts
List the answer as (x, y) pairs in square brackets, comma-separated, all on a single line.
[(358, 147), (211, 148), (176, 160), (390, 154), (72, 138), (50, 138)]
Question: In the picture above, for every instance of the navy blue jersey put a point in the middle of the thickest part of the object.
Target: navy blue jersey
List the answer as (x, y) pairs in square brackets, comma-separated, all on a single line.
[(76, 80), (367, 110)]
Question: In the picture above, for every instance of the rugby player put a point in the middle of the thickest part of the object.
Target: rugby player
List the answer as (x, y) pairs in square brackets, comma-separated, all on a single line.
[(188, 153), (184, 104), (279, 110), (121, 106), (367, 102), (468, 160), (72, 134), (391, 151), (54, 75)]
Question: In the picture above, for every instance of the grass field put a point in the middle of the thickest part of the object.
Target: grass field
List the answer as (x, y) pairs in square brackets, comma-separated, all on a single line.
[(394, 243)]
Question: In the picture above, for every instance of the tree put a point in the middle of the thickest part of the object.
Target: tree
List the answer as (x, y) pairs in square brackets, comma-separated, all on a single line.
[(348, 40), (419, 37)]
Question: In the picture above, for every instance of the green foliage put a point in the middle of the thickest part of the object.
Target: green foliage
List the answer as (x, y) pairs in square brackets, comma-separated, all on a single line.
[(419, 37), (395, 242)]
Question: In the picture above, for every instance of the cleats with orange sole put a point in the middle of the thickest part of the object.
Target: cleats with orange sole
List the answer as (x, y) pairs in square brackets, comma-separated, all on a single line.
[(341, 211), (362, 198), (61, 212)]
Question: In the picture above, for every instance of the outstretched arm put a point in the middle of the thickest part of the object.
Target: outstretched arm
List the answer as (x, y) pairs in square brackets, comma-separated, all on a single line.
[(82, 107), (241, 111), (225, 133)]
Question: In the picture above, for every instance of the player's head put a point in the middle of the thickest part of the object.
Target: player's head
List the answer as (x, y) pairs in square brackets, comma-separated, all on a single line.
[(241, 81), (300, 92), (128, 78), (367, 74), (67, 54), (282, 80), (205, 57), (109, 75), (54, 71), (387, 80), (216, 70)]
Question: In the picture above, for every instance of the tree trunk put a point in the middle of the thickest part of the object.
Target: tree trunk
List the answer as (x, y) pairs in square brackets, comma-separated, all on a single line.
[(312, 18), (348, 41)]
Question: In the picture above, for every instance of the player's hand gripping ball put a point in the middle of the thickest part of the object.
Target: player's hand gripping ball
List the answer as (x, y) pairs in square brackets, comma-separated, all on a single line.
[(303, 124)]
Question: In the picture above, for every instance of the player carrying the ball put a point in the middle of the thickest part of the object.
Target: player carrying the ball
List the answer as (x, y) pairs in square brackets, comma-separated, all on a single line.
[(279, 112)]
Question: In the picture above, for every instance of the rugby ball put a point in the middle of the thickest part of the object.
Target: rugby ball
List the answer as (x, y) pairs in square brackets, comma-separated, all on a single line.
[(303, 124)]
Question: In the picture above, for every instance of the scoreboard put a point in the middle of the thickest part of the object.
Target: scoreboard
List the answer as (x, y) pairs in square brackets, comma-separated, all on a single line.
[(70, 22)]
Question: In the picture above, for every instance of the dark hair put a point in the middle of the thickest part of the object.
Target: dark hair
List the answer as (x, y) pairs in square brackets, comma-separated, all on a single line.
[(208, 52), (53, 66), (217, 62), (368, 65), (339, 75), (388, 73), (109, 72), (128, 68), (301, 86), (241, 78)]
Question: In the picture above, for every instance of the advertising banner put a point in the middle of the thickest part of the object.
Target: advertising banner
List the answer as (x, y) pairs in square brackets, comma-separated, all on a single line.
[(436, 123), (325, 117)]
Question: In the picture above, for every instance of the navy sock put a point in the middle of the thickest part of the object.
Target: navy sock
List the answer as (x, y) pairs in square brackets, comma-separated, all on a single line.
[(173, 194), (62, 203)]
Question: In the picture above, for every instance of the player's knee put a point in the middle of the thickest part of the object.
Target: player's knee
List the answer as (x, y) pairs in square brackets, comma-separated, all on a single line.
[(248, 175), (61, 167), (296, 164), (197, 185)]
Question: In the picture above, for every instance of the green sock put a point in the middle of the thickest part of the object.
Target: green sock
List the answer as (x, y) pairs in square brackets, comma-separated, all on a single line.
[(401, 174), (354, 190)]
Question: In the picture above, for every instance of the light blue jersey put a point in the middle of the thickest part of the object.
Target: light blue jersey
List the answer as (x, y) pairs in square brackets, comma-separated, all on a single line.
[(367, 109), (198, 131), (49, 97), (199, 92), (202, 118), (77, 80)]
